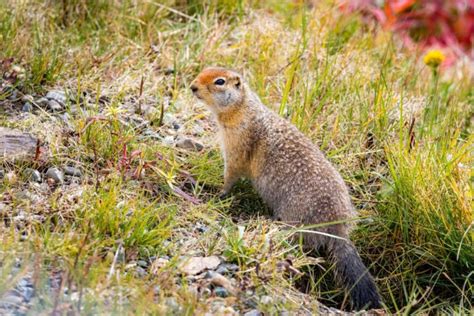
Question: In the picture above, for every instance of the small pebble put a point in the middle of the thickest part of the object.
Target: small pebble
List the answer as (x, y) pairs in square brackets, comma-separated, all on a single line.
[(58, 96), (172, 303), (142, 263), (140, 271), (228, 268), (71, 171), (189, 144), (27, 107), (33, 175), (54, 106), (221, 292), (253, 312), (12, 298), (266, 300), (176, 125), (43, 102), (169, 71), (27, 98), (55, 174)]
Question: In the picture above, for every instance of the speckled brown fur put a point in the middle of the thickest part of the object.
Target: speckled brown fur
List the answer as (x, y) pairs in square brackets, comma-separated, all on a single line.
[(288, 171)]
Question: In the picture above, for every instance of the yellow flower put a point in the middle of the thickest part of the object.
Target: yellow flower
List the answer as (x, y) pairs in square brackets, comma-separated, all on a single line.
[(434, 58)]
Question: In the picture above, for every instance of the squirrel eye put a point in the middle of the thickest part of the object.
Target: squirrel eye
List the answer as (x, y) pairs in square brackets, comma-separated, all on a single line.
[(219, 82)]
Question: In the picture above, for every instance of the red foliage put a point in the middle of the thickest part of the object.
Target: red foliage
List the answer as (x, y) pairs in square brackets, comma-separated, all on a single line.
[(442, 23)]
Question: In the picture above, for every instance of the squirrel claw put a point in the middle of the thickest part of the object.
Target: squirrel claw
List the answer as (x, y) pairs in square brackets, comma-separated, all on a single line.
[(223, 195)]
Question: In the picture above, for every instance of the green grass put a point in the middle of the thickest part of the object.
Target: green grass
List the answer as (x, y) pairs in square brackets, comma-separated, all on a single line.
[(400, 134)]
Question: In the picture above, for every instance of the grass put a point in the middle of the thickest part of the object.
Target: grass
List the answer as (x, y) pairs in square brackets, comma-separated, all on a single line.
[(400, 134)]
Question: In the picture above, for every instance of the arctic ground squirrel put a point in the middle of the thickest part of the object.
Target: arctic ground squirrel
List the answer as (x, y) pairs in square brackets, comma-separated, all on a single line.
[(288, 171)]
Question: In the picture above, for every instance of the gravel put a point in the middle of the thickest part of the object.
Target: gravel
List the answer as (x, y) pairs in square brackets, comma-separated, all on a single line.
[(55, 174)]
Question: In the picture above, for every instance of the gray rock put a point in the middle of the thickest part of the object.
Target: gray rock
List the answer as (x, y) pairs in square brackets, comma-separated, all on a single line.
[(27, 293), (12, 298), (152, 134), (14, 94), (168, 140), (222, 270), (201, 228), (54, 106), (27, 98), (142, 263), (16, 145), (221, 292), (71, 171), (3, 208), (196, 265), (189, 144), (172, 304), (33, 175), (140, 272), (58, 96), (253, 312), (266, 300), (229, 267), (2, 173), (43, 102), (27, 107), (169, 71), (55, 174), (176, 125)]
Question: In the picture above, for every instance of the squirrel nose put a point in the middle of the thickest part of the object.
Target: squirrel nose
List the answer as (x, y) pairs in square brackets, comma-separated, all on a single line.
[(194, 88)]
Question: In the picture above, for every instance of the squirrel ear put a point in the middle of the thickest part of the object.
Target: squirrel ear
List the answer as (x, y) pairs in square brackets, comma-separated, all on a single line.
[(237, 82)]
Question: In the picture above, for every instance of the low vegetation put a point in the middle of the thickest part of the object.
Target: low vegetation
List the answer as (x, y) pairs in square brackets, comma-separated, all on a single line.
[(399, 131)]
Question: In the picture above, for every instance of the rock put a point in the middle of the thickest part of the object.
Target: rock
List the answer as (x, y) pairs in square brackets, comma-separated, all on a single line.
[(43, 102), (172, 304), (14, 94), (168, 140), (55, 174), (16, 145), (58, 96), (71, 171), (2, 173), (217, 279), (266, 300), (221, 292), (3, 208), (140, 272), (12, 298), (152, 134), (253, 312), (169, 71), (54, 106), (229, 267), (27, 107), (142, 263), (195, 265), (33, 175), (201, 228), (27, 98), (176, 125), (158, 264), (189, 144)]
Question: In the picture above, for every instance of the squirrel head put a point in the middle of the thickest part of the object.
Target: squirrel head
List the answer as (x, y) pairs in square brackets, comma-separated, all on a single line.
[(221, 89)]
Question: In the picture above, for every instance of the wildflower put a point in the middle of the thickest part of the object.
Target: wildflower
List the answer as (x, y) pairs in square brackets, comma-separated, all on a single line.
[(434, 58)]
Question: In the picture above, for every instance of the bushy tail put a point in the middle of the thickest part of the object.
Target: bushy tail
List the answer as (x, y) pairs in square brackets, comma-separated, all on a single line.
[(353, 274)]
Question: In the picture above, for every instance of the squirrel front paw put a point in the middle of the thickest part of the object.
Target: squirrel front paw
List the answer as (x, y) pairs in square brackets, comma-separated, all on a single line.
[(223, 195)]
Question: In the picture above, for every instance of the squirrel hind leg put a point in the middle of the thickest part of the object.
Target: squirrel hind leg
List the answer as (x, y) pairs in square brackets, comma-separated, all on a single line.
[(353, 275)]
